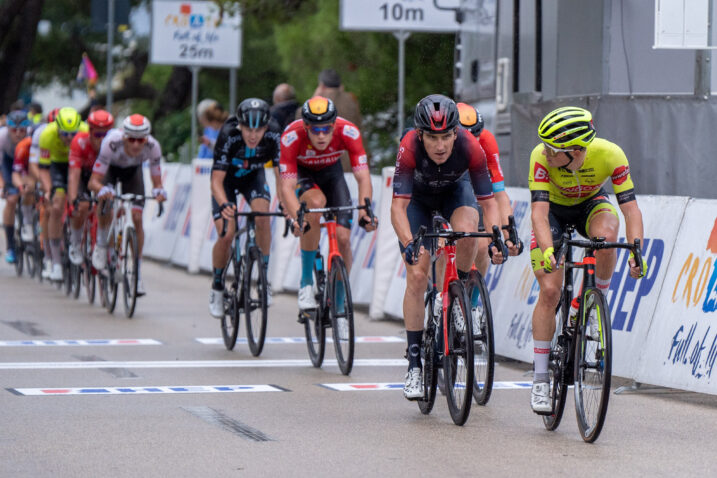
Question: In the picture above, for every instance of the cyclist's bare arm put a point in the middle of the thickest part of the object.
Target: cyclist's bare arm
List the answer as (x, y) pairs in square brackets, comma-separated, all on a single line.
[(363, 178), (399, 219), (45, 180), (541, 225), (276, 176), (95, 182), (491, 217), (634, 229), (17, 181), (217, 185), (73, 181)]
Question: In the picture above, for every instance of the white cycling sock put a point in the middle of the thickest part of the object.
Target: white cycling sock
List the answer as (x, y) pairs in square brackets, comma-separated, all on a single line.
[(602, 284), (541, 353)]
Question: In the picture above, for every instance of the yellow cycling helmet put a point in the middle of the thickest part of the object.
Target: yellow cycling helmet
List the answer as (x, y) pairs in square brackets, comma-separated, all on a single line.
[(68, 120), (566, 127)]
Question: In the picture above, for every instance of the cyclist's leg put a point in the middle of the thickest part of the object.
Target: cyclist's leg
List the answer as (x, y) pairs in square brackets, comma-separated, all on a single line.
[(133, 182), (482, 260), (28, 199), (461, 209), (58, 173), (256, 191), (308, 192), (11, 198), (81, 211), (222, 247), (602, 221)]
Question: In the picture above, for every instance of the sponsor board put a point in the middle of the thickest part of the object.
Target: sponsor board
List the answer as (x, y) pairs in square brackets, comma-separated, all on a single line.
[(77, 342), (302, 340), (54, 392), (380, 387)]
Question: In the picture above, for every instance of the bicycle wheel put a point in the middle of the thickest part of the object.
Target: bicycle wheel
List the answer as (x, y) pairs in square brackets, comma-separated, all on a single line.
[(593, 366), (88, 275), (458, 364), (75, 280), (19, 255), (314, 322), (232, 304), (113, 279), (341, 315), (130, 272), (557, 366), (483, 345), (255, 306), (430, 359)]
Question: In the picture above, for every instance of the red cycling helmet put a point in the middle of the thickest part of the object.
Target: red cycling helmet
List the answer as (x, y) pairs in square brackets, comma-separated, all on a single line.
[(100, 119), (52, 114)]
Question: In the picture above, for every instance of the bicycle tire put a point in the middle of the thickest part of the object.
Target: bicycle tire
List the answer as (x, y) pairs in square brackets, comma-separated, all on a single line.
[(130, 272), (483, 341), (75, 280), (88, 272), (112, 280), (458, 364), (341, 308), (255, 301), (30, 264), (593, 366), (429, 376), (314, 329), (37, 244), (19, 256), (230, 319), (557, 365)]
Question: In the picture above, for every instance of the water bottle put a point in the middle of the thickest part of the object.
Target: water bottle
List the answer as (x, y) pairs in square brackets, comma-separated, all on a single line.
[(573, 314)]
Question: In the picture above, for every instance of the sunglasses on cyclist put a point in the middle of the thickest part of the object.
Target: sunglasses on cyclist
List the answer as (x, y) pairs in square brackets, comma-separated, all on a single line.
[(552, 151), (17, 129), (68, 134), (136, 140), (326, 129), (99, 134)]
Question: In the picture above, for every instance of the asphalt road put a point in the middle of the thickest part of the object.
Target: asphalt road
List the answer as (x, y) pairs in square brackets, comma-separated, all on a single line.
[(153, 410)]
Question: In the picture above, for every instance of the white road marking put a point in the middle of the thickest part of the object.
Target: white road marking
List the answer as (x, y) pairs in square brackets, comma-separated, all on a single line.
[(302, 340), (145, 390), (77, 342)]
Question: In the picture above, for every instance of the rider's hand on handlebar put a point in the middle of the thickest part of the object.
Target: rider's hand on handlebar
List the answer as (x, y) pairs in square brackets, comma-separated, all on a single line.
[(549, 263), (514, 249), (635, 269), (410, 254), (159, 194), (367, 222), (228, 209), (107, 192), (498, 256)]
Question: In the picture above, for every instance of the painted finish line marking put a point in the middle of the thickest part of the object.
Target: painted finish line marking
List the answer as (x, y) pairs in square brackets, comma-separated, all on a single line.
[(194, 364), (386, 339), (74, 343), (145, 390), (360, 387)]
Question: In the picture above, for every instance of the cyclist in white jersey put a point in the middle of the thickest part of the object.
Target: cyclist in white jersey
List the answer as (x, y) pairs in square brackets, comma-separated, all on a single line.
[(120, 160)]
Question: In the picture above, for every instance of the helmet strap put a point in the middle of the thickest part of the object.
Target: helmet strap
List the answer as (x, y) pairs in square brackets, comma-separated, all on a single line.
[(570, 156)]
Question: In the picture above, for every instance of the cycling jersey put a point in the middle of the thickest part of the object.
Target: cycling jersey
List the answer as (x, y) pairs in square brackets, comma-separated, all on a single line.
[(490, 146), (561, 186), (7, 158), (52, 148), (296, 149), (82, 154), (416, 172), (35, 146), (22, 156), (232, 155), (112, 153)]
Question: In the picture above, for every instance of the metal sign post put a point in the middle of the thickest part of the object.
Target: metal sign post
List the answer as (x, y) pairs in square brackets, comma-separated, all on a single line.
[(195, 99), (110, 40), (402, 37)]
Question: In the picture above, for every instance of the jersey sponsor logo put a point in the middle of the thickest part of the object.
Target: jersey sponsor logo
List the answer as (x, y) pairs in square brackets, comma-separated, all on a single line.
[(282, 168), (310, 152), (351, 131), (362, 159), (289, 138), (620, 174), (540, 174)]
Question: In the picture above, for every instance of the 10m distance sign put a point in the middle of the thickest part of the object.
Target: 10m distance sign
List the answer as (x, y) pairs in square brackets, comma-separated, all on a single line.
[(397, 15), (195, 34)]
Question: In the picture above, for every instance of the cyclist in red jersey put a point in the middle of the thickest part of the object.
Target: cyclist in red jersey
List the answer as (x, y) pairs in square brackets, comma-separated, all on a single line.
[(83, 151), (310, 171), (472, 121), (25, 183)]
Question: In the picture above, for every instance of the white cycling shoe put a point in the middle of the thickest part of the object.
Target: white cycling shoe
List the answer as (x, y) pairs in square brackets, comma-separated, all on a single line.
[(307, 298), (26, 232), (75, 254), (413, 388), (99, 257), (56, 273), (540, 398), (216, 303)]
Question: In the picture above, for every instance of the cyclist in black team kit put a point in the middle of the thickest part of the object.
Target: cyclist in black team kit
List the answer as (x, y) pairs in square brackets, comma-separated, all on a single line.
[(245, 144), (439, 167)]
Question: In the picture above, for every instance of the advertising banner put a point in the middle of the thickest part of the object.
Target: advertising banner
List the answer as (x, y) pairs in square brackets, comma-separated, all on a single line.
[(681, 346), (159, 240), (179, 214), (201, 210)]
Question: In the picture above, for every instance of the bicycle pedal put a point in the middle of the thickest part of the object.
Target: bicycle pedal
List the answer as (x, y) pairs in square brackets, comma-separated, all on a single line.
[(545, 414), (304, 315)]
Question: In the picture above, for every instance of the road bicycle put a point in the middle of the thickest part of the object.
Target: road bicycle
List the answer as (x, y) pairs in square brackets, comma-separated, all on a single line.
[(333, 294), (28, 253), (89, 238), (122, 254), (577, 358), (247, 292), (448, 339)]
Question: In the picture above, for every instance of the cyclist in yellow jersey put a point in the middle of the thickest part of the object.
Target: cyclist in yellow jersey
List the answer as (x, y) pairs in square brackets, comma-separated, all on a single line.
[(567, 172), (54, 145)]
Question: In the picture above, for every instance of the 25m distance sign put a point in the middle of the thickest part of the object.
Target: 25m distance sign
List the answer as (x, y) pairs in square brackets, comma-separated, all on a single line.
[(396, 15)]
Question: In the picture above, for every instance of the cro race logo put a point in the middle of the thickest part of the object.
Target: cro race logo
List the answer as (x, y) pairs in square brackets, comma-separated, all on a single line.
[(697, 279), (185, 18)]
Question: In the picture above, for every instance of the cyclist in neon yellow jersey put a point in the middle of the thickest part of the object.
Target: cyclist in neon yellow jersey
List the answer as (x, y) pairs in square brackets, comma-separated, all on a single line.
[(567, 172), (55, 142)]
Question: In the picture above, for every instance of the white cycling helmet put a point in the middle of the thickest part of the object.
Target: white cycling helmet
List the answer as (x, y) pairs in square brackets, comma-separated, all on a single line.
[(136, 126)]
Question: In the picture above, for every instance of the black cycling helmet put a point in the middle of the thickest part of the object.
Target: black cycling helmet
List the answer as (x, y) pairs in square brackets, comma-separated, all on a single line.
[(318, 110), (436, 114), (253, 112), (18, 119)]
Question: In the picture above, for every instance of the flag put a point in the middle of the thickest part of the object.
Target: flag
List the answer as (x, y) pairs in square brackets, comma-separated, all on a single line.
[(87, 71)]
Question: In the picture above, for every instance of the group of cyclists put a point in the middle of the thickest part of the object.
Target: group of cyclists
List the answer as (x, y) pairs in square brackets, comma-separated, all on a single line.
[(62, 163), (448, 163)]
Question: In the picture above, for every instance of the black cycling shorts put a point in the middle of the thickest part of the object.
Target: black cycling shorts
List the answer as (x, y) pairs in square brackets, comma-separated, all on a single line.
[(331, 182), (58, 175), (132, 181), (251, 186)]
